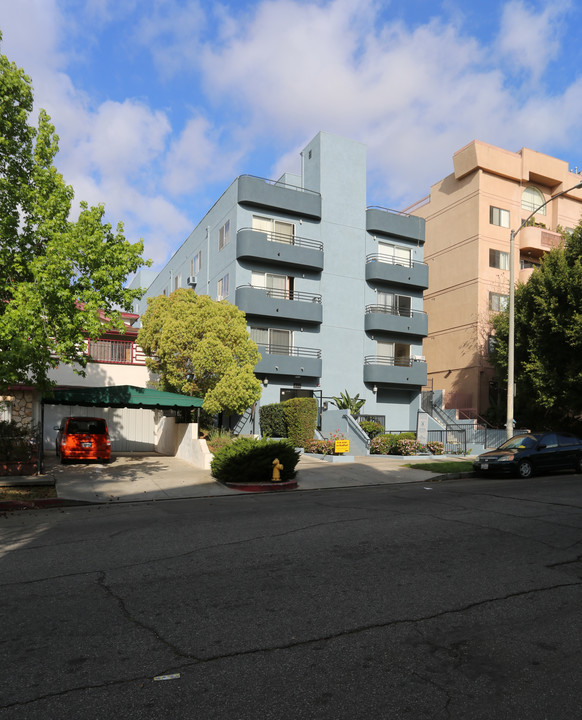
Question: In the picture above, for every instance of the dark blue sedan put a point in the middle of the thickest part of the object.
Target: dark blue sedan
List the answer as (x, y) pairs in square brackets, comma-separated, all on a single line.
[(526, 454)]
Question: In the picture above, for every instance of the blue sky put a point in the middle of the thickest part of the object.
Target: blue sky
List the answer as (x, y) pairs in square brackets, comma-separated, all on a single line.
[(160, 104)]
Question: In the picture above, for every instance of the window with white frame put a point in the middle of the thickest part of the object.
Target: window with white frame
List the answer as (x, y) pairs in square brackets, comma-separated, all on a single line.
[(278, 286), (531, 199), (395, 254), (394, 353), (196, 263), (276, 230), (498, 216), (276, 341), (224, 235), (498, 259), (177, 281), (222, 288), (5, 411), (395, 304), (497, 301)]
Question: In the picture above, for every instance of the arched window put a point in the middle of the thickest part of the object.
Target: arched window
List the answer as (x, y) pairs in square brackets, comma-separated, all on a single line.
[(532, 199)]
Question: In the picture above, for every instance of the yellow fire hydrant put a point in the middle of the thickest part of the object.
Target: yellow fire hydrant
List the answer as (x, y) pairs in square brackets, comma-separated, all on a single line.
[(277, 466)]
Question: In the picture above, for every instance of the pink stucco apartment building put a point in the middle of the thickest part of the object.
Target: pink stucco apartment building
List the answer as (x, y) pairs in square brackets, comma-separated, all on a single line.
[(469, 215)]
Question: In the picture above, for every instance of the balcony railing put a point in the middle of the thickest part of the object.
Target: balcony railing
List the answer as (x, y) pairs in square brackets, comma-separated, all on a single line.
[(392, 222), (274, 194), (290, 350), (386, 269), (287, 294), (120, 352), (288, 239), (389, 360), (391, 310)]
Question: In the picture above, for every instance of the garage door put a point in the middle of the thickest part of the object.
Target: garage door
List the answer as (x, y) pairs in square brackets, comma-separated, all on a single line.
[(131, 429)]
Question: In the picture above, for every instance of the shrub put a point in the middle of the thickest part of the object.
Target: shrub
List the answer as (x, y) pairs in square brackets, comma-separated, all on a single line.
[(319, 447), (383, 444), (273, 421), (406, 446), (301, 417), (218, 438), (436, 447), (371, 428), (16, 442), (248, 460)]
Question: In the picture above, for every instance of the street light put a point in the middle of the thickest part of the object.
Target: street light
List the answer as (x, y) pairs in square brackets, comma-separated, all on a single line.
[(511, 336)]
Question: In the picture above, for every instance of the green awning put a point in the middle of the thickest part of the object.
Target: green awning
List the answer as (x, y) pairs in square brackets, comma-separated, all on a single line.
[(121, 396)]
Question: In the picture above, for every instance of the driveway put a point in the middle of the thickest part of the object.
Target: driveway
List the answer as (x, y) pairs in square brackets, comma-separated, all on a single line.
[(133, 477)]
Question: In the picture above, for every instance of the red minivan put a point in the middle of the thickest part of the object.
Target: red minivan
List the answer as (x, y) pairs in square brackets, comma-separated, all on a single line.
[(83, 438)]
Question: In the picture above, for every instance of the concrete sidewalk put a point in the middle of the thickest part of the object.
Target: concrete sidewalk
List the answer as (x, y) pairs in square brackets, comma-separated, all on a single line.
[(150, 476)]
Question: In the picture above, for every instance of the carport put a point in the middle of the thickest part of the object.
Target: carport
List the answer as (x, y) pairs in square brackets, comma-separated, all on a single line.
[(116, 396)]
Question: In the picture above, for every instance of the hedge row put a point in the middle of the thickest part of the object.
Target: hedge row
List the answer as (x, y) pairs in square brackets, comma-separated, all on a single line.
[(295, 419)]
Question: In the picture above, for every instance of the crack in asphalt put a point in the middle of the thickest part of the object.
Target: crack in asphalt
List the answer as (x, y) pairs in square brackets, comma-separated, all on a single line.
[(101, 581), (201, 661)]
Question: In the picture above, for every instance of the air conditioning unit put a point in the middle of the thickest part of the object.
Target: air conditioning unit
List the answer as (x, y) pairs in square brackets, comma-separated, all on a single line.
[(418, 358), (192, 281)]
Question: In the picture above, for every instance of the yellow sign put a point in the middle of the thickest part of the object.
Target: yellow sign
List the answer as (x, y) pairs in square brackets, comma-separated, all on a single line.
[(341, 446)]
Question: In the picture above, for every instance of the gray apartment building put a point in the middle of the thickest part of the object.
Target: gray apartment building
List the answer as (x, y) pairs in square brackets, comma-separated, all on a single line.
[(332, 289)]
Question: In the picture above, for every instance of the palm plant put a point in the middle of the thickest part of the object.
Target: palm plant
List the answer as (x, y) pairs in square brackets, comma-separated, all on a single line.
[(345, 402)]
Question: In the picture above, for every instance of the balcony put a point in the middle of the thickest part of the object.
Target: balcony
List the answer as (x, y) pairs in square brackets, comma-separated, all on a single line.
[(396, 224), (383, 269), (118, 352), (271, 247), (286, 360), (538, 241), (280, 304), (381, 370), (273, 195), (380, 318)]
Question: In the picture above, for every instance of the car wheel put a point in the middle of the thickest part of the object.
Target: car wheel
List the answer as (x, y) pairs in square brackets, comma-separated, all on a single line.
[(525, 469)]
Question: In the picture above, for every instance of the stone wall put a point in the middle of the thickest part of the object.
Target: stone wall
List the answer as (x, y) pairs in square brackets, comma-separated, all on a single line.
[(21, 404)]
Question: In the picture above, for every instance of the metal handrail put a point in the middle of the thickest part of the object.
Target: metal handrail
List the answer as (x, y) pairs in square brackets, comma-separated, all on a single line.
[(278, 183), (286, 294), (290, 350), (378, 257), (389, 360), (388, 210), (392, 310), (286, 239)]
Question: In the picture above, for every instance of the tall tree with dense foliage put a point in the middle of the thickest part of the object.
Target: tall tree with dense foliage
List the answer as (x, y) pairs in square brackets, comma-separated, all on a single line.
[(201, 347), (548, 339), (59, 278)]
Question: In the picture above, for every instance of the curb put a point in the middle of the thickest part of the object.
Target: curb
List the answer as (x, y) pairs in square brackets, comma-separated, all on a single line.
[(263, 487), (40, 504)]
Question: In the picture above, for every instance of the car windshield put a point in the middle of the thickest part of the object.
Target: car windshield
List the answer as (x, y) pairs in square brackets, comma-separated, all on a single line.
[(519, 442), (80, 426)]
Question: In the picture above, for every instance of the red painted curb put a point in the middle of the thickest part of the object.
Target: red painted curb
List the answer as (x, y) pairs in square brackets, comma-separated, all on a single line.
[(263, 487)]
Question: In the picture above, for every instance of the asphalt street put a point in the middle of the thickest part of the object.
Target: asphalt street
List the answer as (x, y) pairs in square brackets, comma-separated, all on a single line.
[(457, 599)]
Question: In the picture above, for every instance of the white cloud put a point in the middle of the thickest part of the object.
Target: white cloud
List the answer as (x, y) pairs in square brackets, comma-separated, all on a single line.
[(530, 38), (196, 158)]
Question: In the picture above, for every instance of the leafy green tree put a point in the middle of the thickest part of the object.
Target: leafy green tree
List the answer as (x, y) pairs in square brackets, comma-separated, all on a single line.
[(345, 402), (60, 281), (548, 339), (201, 347)]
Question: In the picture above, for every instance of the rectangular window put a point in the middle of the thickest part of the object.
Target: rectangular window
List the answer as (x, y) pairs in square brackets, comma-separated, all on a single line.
[(499, 259), (177, 281), (277, 286), (276, 230), (395, 304), (497, 301), (5, 411), (395, 254), (222, 288), (196, 263), (276, 342), (498, 216), (394, 353), (224, 235), (110, 351)]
